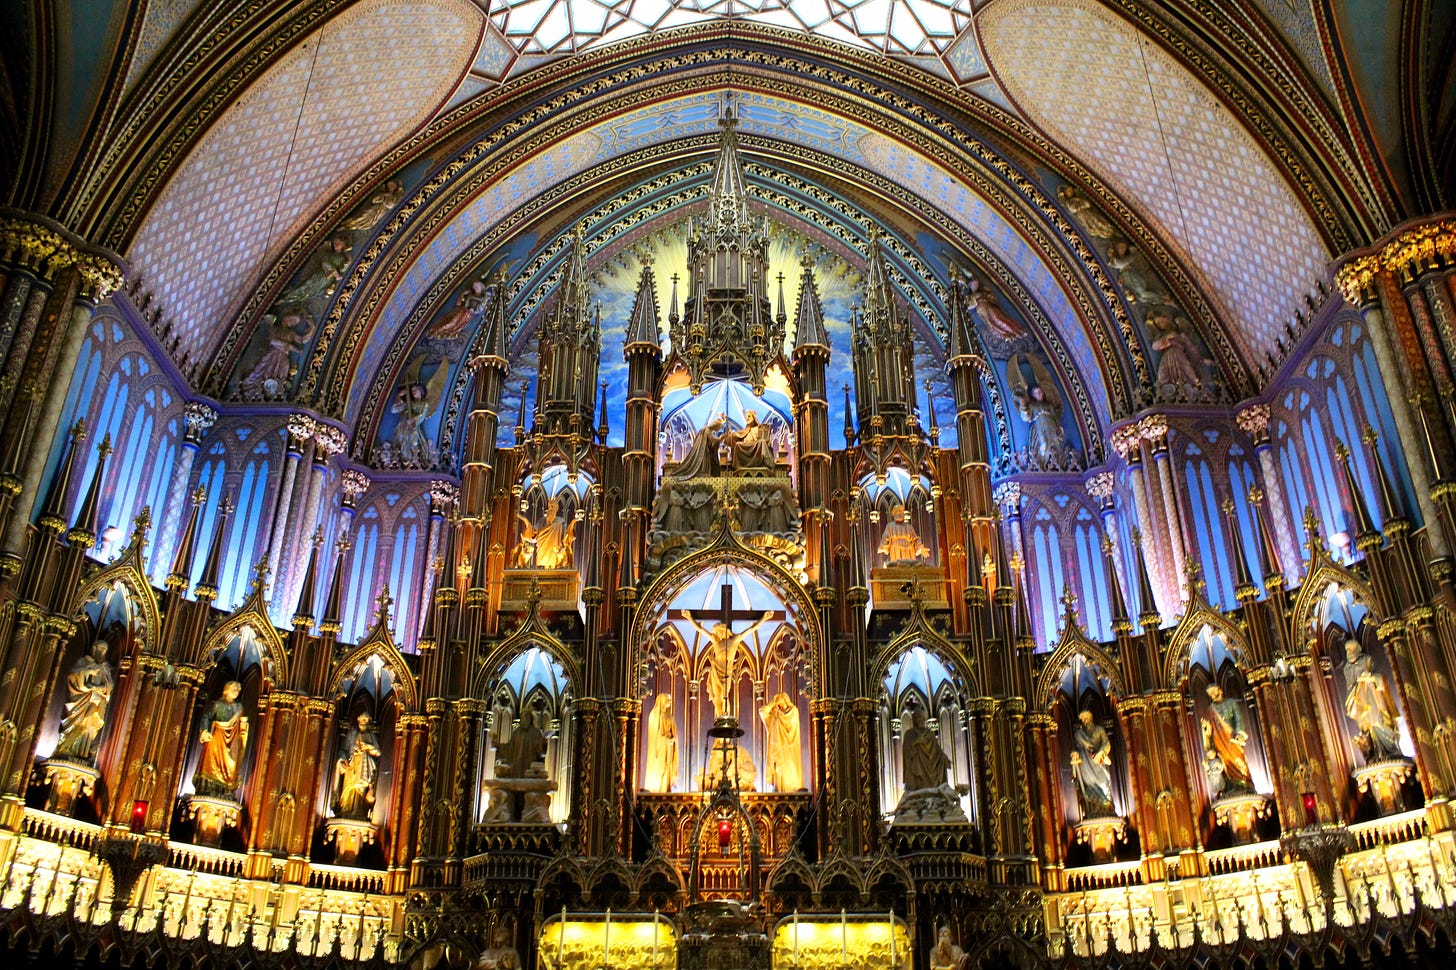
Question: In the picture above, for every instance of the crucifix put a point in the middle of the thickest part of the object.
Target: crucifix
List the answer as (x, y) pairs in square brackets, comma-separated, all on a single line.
[(723, 643)]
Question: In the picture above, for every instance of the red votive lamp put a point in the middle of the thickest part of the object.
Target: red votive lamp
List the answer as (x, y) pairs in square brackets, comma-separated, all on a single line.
[(725, 832), (1311, 813), (138, 817)]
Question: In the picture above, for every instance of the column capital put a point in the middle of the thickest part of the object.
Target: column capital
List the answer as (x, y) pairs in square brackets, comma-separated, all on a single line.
[(1125, 440), (1407, 252), (328, 441), (197, 417), (354, 483), (1008, 496), (1100, 487), (1253, 420)]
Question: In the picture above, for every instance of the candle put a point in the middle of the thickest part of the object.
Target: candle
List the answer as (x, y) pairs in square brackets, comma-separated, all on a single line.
[(843, 938), (654, 938), (796, 938), (560, 937), (894, 962), (607, 940)]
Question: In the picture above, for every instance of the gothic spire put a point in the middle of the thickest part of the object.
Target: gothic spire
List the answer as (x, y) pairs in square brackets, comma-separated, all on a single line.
[(303, 614), (810, 332), (212, 568), (181, 572), (334, 602), (1121, 622), (83, 531), (730, 192), (497, 329), (1148, 614), (52, 512), (642, 324), (1388, 497)]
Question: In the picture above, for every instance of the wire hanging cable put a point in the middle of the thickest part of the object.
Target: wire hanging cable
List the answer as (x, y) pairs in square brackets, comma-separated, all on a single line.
[(288, 161), (1162, 137)]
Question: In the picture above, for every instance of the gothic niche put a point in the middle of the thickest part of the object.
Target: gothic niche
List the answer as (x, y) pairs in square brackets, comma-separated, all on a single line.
[(221, 748), (727, 647), (1092, 762), (898, 511), (1364, 702), (358, 776), (927, 768), (81, 710), (528, 740), (551, 507), (1231, 750)]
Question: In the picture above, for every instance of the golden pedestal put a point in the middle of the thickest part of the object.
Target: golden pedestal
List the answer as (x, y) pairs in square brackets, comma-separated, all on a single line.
[(891, 587), (559, 589), (1240, 813), (350, 836), (67, 781), (212, 815), (1101, 835), (1384, 780)]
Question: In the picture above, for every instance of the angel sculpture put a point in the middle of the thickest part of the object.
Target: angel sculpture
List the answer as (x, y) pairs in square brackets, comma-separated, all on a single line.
[(1040, 405), (271, 375)]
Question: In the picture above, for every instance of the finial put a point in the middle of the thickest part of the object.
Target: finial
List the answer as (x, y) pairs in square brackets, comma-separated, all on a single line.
[(104, 449), (382, 604), (260, 574)]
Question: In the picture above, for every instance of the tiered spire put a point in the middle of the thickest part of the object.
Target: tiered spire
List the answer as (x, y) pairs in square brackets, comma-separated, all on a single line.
[(884, 354), (83, 530), (571, 350), (810, 334)]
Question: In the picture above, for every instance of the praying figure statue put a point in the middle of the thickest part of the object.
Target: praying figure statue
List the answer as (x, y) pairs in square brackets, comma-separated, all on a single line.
[(356, 770), (527, 746), (753, 446), (224, 739), (783, 759), (88, 692), (924, 761), (1369, 705), (701, 461), (945, 955), (660, 772), (722, 650), (500, 955), (900, 544), (1092, 766), (1224, 740)]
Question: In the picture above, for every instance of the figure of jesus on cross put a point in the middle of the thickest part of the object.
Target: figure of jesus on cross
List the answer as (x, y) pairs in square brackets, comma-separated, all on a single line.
[(723, 647)]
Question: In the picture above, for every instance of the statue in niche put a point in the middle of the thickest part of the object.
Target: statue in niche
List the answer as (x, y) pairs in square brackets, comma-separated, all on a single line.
[(701, 461), (322, 279), (924, 761), (944, 954), (552, 545), (752, 509), (1084, 212), (1369, 705), (499, 955), (997, 321), (783, 759), (1092, 767), (779, 513), (900, 544), (722, 651), (527, 747), (1179, 375), (1224, 739), (1040, 405), (671, 512), (1124, 258), (270, 376), (412, 447), (355, 772), (224, 739), (367, 216), (753, 447), (467, 309), (660, 772), (88, 692), (698, 509)]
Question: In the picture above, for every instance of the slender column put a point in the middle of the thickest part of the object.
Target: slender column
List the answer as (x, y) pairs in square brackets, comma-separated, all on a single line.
[(1128, 443), (1254, 421), (196, 418), (1155, 430), (328, 441), (1042, 745), (300, 429), (43, 254), (406, 798)]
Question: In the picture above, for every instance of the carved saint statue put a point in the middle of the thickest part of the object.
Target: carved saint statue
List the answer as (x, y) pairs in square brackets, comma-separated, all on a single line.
[(88, 692), (753, 446), (1224, 740), (500, 955), (900, 544), (660, 772), (356, 770), (224, 739), (367, 216), (552, 545), (1092, 766), (412, 447), (467, 309), (1368, 704), (988, 308), (270, 376), (701, 461), (1179, 375), (924, 761), (783, 759), (527, 746), (323, 276), (945, 955), (722, 650), (1040, 405), (1082, 210)]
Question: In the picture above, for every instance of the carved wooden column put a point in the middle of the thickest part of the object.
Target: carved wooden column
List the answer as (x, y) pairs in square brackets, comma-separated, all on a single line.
[(1044, 752), (407, 798)]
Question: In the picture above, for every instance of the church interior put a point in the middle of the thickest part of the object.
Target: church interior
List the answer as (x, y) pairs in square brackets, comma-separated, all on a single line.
[(728, 484)]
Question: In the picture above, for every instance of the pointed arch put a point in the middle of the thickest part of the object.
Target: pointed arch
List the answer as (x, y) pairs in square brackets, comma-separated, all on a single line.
[(1074, 644), (125, 572), (1175, 664), (253, 616), (378, 644)]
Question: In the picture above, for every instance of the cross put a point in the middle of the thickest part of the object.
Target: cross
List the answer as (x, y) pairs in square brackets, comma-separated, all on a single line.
[(725, 612)]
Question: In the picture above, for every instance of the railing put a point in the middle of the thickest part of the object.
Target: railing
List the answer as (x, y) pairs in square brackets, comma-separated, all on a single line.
[(201, 858), (1405, 827), (59, 829), (1108, 876), (345, 879), (1242, 858)]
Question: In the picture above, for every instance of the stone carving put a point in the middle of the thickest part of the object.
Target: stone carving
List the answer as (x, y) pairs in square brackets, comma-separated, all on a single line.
[(945, 955), (1092, 766), (928, 798), (88, 692), (900, 544)]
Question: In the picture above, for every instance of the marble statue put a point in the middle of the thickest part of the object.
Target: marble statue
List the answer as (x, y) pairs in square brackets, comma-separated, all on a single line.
[(499, 955), (722, 650), (944, 954), (778, 515), (527, 746), (1092, 767), (356, 770), (900, 544), (88, 692), (701, 461), (660, 771), (751, 448), (1369, 705), (224, 739), (783, 757), (924, 761), (698, 509), (1224, 740)]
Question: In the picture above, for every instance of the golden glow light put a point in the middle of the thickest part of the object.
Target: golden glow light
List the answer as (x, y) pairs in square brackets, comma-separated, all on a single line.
[(861, 941), (584, 941)]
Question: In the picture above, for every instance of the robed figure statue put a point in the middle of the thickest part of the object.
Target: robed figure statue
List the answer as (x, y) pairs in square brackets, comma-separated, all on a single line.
[(701, 461), (1092, 767), (752, 447), (356, 770), (783, 758), (1368, 704), (88, 692), (224, 739), (660, 772), (1224, 739), (924, 761)]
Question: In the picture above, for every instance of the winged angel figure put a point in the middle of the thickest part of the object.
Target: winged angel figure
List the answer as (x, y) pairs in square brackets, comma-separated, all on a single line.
[(1040, 403)]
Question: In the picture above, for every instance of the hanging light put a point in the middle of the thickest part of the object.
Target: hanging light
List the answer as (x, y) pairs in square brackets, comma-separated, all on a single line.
[(725, 833)]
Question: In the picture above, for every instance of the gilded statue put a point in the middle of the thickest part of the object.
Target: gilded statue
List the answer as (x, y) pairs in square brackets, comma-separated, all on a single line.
[(224, 739), (1224, 740), (1369, 705), (900, 544), (88, 692), (722, 650), (660, 772), (1092, 766), (783, 757), (551, 545), (356, 770)]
